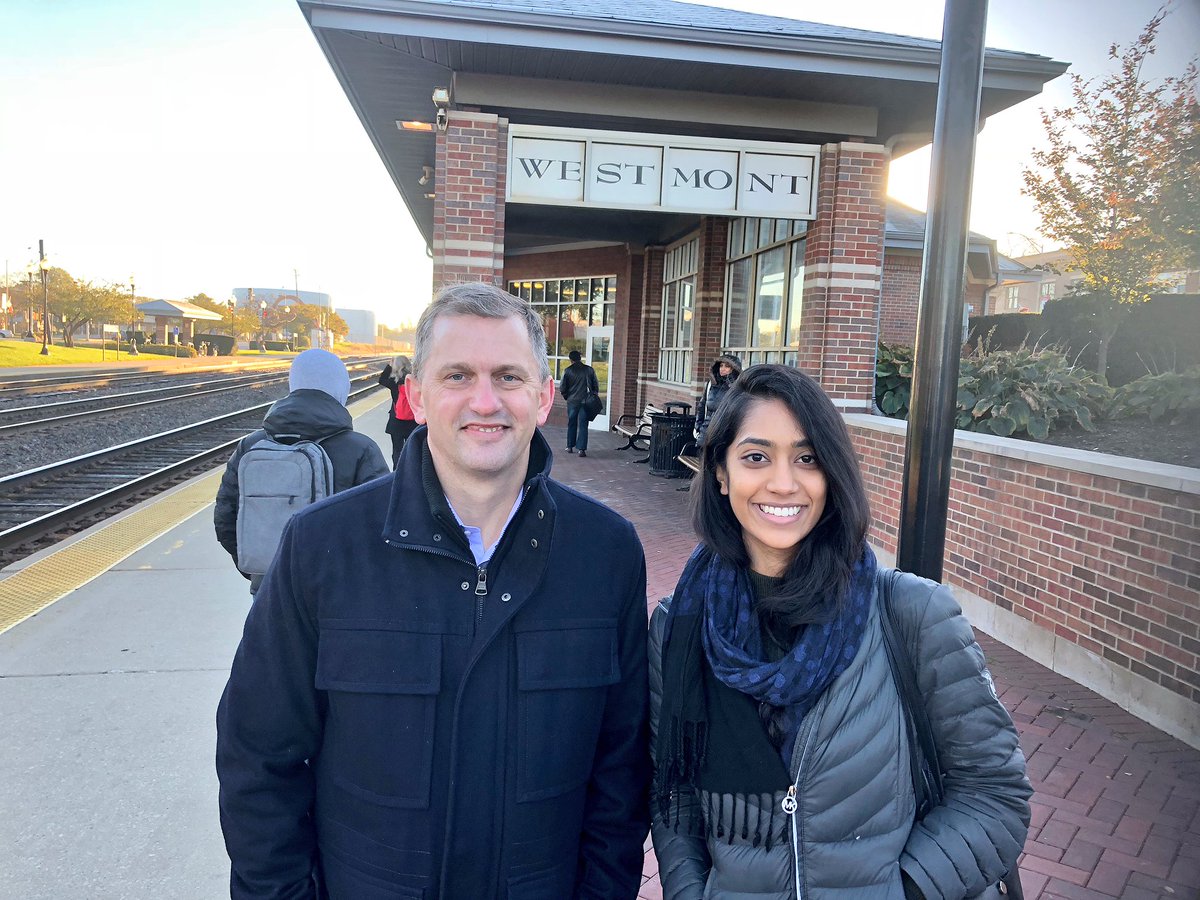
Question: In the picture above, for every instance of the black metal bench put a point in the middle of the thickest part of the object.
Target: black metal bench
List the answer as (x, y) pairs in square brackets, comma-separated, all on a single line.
[(689, 458), (636, 429)]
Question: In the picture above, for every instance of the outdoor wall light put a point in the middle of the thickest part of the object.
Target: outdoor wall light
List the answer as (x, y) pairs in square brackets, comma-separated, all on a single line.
[(441, 99), (413, 125), (426, 175)]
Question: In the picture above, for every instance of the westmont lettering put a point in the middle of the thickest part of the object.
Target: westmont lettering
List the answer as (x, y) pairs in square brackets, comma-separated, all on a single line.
[(669, 173)]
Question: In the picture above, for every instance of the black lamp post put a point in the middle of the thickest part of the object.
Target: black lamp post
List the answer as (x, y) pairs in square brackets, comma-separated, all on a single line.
[(133, 350), (262, 334), (29, 270), (44, 266)]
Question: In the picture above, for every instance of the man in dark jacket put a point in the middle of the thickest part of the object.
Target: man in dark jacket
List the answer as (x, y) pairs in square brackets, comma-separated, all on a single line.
[(315, 409), (428, 700), (578, 380)]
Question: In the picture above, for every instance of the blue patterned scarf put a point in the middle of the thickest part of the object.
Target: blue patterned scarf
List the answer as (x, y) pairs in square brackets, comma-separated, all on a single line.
[(734, 645)]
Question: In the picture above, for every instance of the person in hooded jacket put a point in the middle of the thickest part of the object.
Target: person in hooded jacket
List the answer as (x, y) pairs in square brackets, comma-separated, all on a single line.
[(725, 371), (314, 409), (781, 754), (400, 423)]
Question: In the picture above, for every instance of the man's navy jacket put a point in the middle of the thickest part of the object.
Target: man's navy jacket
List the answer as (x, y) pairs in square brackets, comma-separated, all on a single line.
[(402, 723)]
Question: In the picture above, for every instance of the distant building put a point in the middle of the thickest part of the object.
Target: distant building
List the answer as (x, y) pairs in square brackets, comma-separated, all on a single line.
[(1027, 283), (173, 321), (361, 322)]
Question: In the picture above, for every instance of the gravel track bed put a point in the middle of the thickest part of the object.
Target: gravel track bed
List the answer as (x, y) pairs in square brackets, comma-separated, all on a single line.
[(52, 443), (152, 381)]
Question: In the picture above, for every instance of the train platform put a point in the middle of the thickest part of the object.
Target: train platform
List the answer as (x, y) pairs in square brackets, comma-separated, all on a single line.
[(115, 646)]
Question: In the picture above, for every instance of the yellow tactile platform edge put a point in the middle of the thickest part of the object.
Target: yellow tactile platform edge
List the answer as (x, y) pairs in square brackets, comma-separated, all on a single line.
[(28, 591)]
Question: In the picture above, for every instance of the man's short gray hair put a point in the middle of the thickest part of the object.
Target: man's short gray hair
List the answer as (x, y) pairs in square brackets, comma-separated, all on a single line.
[(488, 302)]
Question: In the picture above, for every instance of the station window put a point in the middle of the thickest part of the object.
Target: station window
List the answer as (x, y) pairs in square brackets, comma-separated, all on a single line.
[(678, 311), (567, 307), (1045, 294), (764, 289), (1013, 297)]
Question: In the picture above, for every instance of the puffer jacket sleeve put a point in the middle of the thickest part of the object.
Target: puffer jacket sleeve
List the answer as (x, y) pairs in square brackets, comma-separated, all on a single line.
[(974, 837), (371, 464), (226, 507), (683, 860)]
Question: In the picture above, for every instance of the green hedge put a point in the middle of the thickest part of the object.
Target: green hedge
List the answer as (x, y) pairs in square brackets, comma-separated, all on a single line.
[(180, 350)]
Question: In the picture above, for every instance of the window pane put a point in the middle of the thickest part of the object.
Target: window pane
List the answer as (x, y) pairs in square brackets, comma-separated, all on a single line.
[(736, 331), (796, 294), (737, 228), (782, 228), (749, 242), (525, 290), (668, 313), (768, 300), (610, 290), (687, 290), (549, 316), (552, 291), (539, 292), (766, 228), (573, 325)]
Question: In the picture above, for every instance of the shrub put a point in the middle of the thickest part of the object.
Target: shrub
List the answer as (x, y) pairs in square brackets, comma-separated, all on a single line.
[(1027, 390), (1004, 392), (1170, 395), (893, 379), (167, 349)]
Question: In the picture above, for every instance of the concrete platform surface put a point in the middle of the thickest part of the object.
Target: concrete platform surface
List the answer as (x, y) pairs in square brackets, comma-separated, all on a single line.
[(107, 697)]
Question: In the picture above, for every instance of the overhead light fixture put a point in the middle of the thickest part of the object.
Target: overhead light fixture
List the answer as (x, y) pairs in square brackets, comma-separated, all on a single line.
[(413, 125), (430, 196), (441, 99), (426, 175)]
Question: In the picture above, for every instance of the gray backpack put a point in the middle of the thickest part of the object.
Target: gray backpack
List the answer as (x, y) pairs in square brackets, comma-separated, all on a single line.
[(276, 479)]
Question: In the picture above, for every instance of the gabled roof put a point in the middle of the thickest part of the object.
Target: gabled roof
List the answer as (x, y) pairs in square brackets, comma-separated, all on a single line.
[(637, 65), (178, 309), (904, 229)]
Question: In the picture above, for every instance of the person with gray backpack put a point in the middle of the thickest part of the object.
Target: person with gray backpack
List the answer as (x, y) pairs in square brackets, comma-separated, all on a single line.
[(306, 450)]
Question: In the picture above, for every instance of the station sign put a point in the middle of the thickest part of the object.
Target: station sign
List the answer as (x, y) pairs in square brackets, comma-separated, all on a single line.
[(659, 172)]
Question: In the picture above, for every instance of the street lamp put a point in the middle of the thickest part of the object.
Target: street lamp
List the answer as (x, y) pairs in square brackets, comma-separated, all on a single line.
[(44, 266), (262, 334), (133, 350), (29, 270)]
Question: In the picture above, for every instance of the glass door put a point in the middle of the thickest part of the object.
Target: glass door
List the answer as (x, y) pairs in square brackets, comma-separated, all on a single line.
[(599, 357)]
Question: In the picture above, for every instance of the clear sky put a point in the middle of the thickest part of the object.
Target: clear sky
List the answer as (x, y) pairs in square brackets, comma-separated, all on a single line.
[(202, 145)]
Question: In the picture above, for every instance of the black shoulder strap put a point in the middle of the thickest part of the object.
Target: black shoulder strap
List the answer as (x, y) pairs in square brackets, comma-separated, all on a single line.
[(926, 771)]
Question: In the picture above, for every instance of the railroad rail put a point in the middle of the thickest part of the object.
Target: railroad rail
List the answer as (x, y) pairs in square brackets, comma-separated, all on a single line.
[(63, 496)]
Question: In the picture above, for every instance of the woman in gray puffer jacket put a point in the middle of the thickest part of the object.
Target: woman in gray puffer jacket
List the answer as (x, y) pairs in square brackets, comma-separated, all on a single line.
[(780, 744)]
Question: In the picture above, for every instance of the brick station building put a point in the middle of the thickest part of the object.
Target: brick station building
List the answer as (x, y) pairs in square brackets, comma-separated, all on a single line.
[(663, 181)]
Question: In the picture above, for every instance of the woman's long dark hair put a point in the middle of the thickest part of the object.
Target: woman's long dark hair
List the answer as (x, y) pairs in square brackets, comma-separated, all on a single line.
[(816, 582)]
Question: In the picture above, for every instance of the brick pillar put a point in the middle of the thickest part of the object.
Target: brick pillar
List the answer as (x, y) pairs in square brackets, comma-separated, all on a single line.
[(468, 209), (843, 274), (652, 287), (628, 337), (710, 299)]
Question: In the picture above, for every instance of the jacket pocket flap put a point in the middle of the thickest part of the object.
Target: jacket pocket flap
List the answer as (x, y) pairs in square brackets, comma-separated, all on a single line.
[(379, 662), (578, 655)]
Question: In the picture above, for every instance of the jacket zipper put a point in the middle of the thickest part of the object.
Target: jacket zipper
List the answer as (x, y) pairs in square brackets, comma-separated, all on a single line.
[(480, 593), (791, 806)]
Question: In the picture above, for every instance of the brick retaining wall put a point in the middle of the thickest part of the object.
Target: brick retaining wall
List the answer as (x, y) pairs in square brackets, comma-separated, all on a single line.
[(1088, 563)]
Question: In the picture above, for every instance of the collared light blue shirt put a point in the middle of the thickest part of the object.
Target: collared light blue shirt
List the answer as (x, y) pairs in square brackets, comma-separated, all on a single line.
[(475, 535)]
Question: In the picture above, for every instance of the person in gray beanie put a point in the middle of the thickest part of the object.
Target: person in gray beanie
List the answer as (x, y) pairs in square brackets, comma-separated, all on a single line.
[(314, 410)]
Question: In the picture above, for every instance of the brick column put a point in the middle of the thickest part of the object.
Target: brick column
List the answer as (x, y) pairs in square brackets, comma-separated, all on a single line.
[(651, 324), (710, 299), (468, 209), (843, 274)]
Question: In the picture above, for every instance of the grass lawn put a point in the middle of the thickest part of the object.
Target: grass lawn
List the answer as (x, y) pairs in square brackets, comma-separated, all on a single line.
[(28, 353)]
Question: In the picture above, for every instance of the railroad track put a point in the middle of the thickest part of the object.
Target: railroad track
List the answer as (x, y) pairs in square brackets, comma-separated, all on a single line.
[(66, 496), (17, 388)]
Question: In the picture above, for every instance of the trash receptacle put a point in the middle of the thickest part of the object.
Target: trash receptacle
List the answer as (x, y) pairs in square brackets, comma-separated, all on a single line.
[(669, 431)]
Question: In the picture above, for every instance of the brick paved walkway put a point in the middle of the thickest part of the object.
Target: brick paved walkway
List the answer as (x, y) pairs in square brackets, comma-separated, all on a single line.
[(1116, 811)]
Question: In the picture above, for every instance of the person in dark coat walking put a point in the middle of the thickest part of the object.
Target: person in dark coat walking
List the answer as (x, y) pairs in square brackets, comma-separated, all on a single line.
[(428, 701), (314, 409), (578, 380), (400, 423), (725, 371)]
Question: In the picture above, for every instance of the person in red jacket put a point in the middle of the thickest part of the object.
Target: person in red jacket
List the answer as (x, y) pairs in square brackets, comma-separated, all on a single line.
[(400, 422)]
